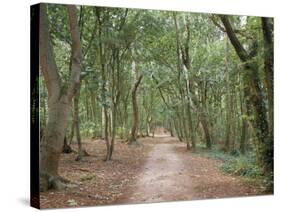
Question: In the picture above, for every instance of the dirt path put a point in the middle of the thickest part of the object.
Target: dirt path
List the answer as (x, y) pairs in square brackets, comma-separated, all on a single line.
[(159, 170), (171, 173)]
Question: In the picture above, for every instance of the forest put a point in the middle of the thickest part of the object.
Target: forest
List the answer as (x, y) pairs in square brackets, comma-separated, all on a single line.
[(135, 103)]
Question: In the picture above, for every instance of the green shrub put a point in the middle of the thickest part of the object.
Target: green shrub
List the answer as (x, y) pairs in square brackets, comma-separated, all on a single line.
[(90, 129), (235, 163), (235, 152), (121, 131), (217, 154), (242, 166)]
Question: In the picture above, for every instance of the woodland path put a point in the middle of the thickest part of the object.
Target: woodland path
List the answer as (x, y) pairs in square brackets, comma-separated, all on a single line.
[(161, 169), (171, 173)]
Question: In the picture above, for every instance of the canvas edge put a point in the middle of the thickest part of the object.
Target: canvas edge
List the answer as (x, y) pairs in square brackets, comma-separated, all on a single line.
[(34, 106)]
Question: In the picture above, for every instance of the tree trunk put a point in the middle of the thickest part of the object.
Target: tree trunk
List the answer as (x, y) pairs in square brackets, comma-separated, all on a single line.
[(66, 147), (94, 117), (77, 121), (204, 118), (244, 112), (243, 136), (81, 152), (105, 118), (147, 127), (267, 27), (206, 132), (106, 133), (179, 127), (191, 128), (228, 102), (171, 128), (59, 98), (52, 144), (113, 132), (133, 136), (71, 131)]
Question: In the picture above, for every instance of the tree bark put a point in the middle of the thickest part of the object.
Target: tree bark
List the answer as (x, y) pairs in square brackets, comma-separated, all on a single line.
[(59, 99), (115, 97), (183, 50), (267, 28), (228, 102), (106, 133), (113, 133), (76, 122), (243, 136), (205, 126), (133, 136), (66, 147), (72, 130), (105, 118)]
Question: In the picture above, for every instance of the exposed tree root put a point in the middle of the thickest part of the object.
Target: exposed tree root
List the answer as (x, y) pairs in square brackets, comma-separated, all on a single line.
[(48, 181), (80, 156), (66, 147), (59, 183)]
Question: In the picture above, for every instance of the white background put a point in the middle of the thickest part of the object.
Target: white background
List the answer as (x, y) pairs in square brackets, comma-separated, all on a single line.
[(14, 106)]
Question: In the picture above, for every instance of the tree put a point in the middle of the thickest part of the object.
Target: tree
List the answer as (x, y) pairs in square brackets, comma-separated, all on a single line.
[(254, 98), (133, 136), (59, 98), (76, 122), (267, 28)]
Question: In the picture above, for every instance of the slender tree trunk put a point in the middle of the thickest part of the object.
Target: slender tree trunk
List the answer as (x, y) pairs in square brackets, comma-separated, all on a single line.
[(233, 125), (267, 26), (204, 119), (105, 118), (243, 136), (71, 131), (228, 102), (171, 128), (227, 132), (66, 147), (245, 108), (111, 149), (77, 120), (176, 127), (81, 152), (206, 132), (148, 125), (106, 133), (133, 137), (94, 116), (191, 128), (179, 127)]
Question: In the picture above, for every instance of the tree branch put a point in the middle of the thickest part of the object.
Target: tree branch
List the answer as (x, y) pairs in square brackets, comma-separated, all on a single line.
[(240, 32), (241, 52), (137, 83), (46, 55), (160, 91), (76, 59)]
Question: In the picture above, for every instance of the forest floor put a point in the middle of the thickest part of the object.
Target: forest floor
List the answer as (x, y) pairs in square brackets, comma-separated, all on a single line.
[(158, 170)]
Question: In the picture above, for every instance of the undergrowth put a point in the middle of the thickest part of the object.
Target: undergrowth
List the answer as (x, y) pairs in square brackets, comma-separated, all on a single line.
[(235, 163)]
